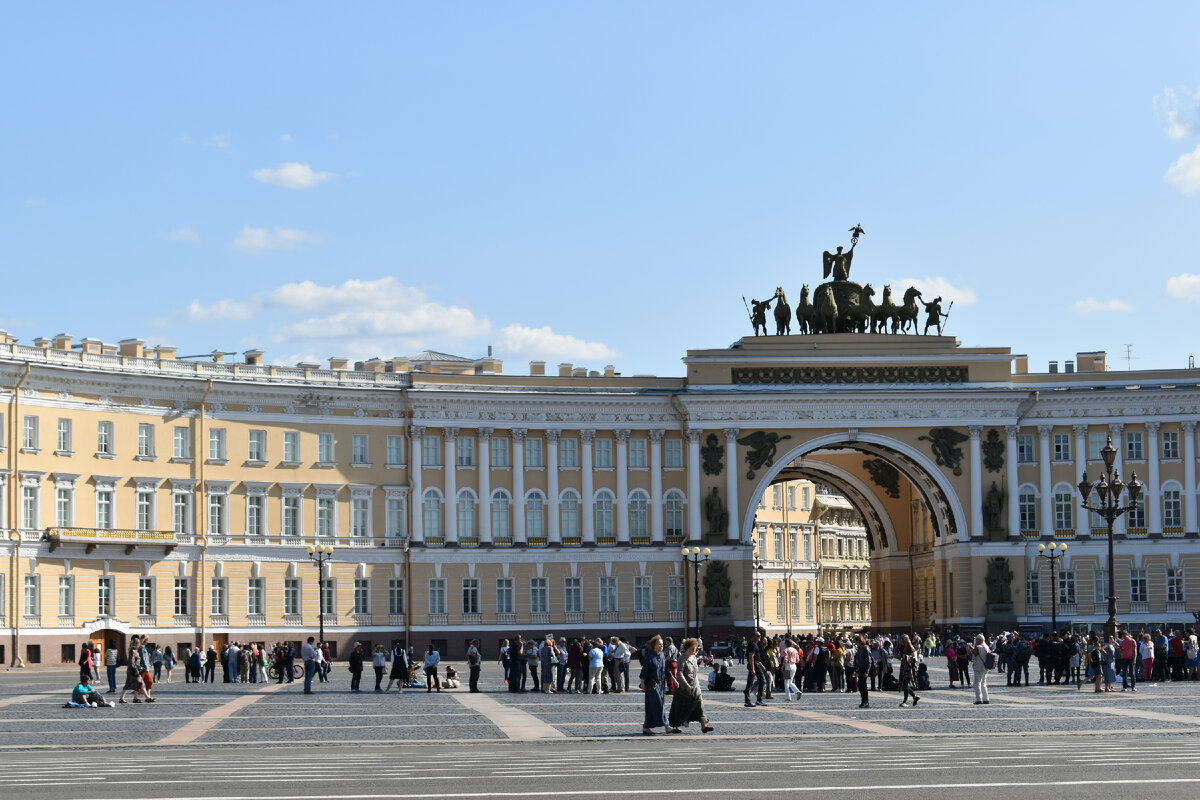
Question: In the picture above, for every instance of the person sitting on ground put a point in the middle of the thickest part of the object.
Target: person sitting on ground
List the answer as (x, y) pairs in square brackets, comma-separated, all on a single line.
[(922, 676), (724, 681), (450, 681), (84, 695)]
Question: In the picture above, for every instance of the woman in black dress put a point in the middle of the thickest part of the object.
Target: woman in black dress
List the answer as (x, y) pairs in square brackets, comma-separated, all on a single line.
[(654, 687)]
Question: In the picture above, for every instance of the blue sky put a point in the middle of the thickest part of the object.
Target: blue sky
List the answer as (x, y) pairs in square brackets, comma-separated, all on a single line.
[(595, 183)]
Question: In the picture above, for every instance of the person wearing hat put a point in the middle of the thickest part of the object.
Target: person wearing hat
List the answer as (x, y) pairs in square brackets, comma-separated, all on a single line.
[(548, 656)]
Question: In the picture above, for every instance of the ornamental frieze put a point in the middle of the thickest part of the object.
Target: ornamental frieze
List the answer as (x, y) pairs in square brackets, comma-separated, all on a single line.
[(831, 375)]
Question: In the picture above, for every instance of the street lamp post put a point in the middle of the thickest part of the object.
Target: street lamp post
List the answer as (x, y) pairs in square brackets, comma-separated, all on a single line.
[(1109, 490), (696, 557), (755, 588), (1054, 553), (320, 555)]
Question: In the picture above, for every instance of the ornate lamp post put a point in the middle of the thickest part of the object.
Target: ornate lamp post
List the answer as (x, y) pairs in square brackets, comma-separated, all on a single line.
[(696, 557), (755, 586), (1054, 553), (1109, 490), (320, 555)]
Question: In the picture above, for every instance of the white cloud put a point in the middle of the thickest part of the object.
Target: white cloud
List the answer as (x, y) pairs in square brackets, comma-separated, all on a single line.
[(261, 240), (220, 310), (287, 137), (292, 175), (184, 235), (1092, 304), (1184, 287), (544, 344), (1184, 174), (934, 286), (1180, 113), (220, 141)]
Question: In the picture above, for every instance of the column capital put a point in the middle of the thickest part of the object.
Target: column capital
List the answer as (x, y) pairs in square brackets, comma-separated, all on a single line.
[(1115, 428), (484, 434), (1044, 431), (587, 435), (416, 430), (1189, 426), (1152, 427), (692, 434), (450, 433), (656, 435), (552, 436), (1011, 431), (975, 430), (518, 434), (1080, 430), (731, 435), (622, 434)]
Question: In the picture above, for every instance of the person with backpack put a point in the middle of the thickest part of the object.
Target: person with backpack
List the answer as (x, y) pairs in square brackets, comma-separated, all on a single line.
[(983, 660)]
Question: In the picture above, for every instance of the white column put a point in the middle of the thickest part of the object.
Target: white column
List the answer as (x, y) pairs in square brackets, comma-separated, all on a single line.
[(518, 473), (554, 532), (415, 434), (1082, 516), (587, 511), (1189, 476), (484, 437), (450, 446), (731, 485), (1046, 487), (1116, 430), (656, 493), (976, 481), (695, 503), (622, 505), (1014, 481), (1153, 489)]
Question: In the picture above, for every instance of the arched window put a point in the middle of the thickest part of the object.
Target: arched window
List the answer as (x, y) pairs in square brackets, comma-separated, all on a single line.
[(535, 516), (1027, 508), (501, 516), (568, 515), (639, 516), (432, 513), (674, 514), (1172, 506), (466, 514), (604, 514)]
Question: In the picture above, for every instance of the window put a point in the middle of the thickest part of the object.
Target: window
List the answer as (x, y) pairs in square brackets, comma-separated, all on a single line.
[(1170, 444), (1062, 447), (256, 597), (64, 507), (535, 517), (291, 597), (778, 537), (431, 451), (500, 516), (808, 603), (291, 447), (104, 438), (64, 435), (805, 498), (637, 453), (1096, 442), (257, 446), (1064, 510), (66, 596), (219, 605), (500, 453), (643, 597), (603, 454), (795, 603), (216, 514), (777, 496), (639, 516), (145, 510), (673, 453), (470, 596), (29, 433), (325, 448), (395, 595), (568, 509), (604, 514), (539, 596), (183, 603), (1099, 585), (146, 597), (1175, 585), (1066, 587), (256, 515), (291, 517), (780, 608), (104, 509), (608, 595), (362, 596), (216, 444), (360, 518), (104, 596), (396, 518), (181, 442), (568, 453), (325, 527), (33, 596), (673, 508), (1138, 592), (432, 513), (466, 514), (1137, 514), (181, 512), (395, 451), (791, 498), (1025, 448), (145, 440), (793, 549), (573, 595), (358, 449), (329, 596), (1172, 509), (464, 452), (675, 594), (533, 453), (504, 596), (1134, 446)]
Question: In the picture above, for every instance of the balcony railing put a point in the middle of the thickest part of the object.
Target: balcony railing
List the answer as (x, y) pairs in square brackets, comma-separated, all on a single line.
[(572, 541), (361, 541), (147, 621), (1176, 606), (362, 619), (66, 621), (676, 616), (394, 541), (1031, 534), (610, 616), (675, 537), (640, 541), (574, 617), (396, 620), (184, 621), (537, 541), (643, 616), (1136, 532), (220, 620), (256, 540), (506, 619), (468, 541), (1064, 533), (329, 619), (606, 541), (33, 621), (502, 541), (1139, 608), (1100, 607), (293, 620), (1098, 531), (439, 619), (1066, 608), (256, 620), (539, 619), (94, 536), (472, 619), (1173, 530)]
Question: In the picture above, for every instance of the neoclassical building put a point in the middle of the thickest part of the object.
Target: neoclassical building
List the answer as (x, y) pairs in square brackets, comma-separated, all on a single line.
[(146, 493)]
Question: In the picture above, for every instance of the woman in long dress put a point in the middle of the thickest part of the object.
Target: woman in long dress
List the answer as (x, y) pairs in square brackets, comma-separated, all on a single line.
[(687, 705), (654, 687)]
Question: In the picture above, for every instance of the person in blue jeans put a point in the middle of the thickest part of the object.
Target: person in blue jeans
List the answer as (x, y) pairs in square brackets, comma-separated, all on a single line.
[(309, 653)]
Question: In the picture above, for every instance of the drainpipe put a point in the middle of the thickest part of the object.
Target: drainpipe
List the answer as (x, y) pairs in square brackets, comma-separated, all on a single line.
[(406, 415), (14, 532), (199, 516)]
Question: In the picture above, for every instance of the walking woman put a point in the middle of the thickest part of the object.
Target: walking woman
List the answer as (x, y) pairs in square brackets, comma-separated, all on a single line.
[(908, 671), (862, 667), (951, 663), (979, 661), (516, 664), (654, 687), (168, 662), (687, 705), (379, 662)]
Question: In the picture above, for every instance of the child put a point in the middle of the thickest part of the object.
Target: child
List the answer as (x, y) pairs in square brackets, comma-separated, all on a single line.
[(922, 677)]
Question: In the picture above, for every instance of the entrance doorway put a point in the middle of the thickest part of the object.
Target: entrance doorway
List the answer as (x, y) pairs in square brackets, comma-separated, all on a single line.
[(105, 639)]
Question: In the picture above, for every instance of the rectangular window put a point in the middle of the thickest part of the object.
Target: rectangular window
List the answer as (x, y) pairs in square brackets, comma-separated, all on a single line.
[(780, 608), (673, 453), (64, 435), (181, 512), (1135, 446), (603, 454), (104, 438), (675, 594), (568, 453), (1137, 514), (1064, 511), (358, 449), (145, 440), (464, 451), (66, 596), (504, 596), (146, 597), (1170, 444), (1175, 586), (1172, 509), (217, 448), (182, 443), (637, 453), (777, 496), (805, 498), (256, 447), (500, 452), (1025, 448), (470, 596), (437, 596), (1096, 442), (1062, 447), (325, 448), (539, 596), (291, 517), (1066, 587), (256, 515), (395, 595), (791, 498), (573, 595), (360, 518), (33, 596), (216, 514), (643, 596), (145, 511), (325, 517), (291, 597), (1099, 585), (362, 596), (1138, 591), (533, 453), (104, 509), (104, 596), (183, 604), (608, 595), (395, 451), (218, 605), (328, 596), (291, 447), (778, 555), (396, 518), (29, 433), (64, 507)]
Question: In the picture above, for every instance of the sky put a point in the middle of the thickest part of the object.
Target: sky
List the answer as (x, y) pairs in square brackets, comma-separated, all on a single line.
[(595, 183)]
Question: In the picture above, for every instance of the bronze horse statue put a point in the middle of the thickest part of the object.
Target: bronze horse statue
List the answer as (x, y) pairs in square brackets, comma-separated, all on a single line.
[(825, 310), (805, 314), (885, 312), (783, 313), (907, 313), (862, 315)]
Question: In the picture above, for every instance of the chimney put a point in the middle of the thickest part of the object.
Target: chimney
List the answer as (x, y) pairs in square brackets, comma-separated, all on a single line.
[(336, 362), (132, 347), (537, 367), (254, 358), (610, 371), (91, 345), (1053, 367), (564, 370), (165, 352), (400, 365), (371, 365), (1068, 367), (41, 341), (62, 341), (579, 372), (218, 357)]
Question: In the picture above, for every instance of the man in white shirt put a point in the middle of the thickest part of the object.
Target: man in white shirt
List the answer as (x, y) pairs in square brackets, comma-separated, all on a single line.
[(310, 656), (432, 659)]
